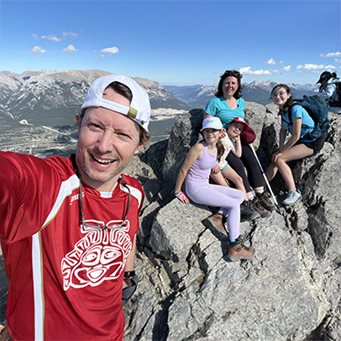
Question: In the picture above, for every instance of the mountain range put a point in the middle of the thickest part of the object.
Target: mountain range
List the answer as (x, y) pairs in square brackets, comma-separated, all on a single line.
[(259, 92), (33, 102), (53, 98)]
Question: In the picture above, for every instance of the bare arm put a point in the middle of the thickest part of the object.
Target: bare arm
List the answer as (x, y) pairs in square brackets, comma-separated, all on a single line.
[(291, 141), (194, 153), (296, 133), (237, 147)]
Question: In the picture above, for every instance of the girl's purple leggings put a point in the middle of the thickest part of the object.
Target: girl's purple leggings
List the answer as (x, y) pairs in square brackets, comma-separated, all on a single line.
[(228, 199)]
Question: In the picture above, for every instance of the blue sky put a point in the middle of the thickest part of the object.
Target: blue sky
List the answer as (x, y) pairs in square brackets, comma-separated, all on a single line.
[(174, 42)]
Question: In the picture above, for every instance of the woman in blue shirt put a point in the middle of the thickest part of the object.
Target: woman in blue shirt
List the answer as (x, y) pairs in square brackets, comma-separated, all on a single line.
[(227, 105), (296, 121)]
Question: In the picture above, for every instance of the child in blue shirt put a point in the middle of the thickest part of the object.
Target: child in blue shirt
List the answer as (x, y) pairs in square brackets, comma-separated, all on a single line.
[(296, 121)]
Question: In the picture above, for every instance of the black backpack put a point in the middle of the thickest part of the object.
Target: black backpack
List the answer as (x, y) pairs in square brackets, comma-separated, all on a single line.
[(318, 110)]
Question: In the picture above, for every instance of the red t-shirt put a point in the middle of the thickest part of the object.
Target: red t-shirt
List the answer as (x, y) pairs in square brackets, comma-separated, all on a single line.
[(65, 279)]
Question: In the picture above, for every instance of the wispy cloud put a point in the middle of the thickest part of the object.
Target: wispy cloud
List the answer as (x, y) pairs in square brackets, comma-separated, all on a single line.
[(247, 70), (70, 34), (38, 50), (109, 51), (70, 49), (49, 37), (287, 68), (301, 67), (331, 55)]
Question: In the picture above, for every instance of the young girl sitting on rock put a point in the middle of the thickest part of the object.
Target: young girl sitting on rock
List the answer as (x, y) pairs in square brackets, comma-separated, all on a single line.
[(195, 172), (297, 121)]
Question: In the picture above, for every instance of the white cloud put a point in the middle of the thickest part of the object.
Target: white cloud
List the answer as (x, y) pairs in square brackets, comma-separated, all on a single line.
[(271, 61), (38, 50), (331, 54), (287, 68), (70, 49), (262, 72), (109, 51), (314, 67), (70, 34), (247, 70), (49, 37)]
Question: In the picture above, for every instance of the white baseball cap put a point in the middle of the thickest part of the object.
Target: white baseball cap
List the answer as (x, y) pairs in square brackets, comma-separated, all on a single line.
[(212, 122), (139, 109)]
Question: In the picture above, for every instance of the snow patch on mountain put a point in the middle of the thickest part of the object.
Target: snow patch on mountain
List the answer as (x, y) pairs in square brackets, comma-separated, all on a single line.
[(166, 113)]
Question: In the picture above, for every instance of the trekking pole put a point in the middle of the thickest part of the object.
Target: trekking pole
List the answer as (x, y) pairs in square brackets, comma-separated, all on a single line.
[(264, 176)]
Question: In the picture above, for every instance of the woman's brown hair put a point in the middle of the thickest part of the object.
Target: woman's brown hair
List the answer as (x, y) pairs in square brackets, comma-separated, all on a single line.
[(220, 150), (230, 73)]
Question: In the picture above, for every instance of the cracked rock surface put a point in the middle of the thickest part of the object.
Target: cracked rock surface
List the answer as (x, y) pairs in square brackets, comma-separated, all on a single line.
[(289, 290)]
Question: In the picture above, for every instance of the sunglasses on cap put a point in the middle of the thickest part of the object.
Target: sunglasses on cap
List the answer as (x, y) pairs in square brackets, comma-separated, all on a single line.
[(232, 73)]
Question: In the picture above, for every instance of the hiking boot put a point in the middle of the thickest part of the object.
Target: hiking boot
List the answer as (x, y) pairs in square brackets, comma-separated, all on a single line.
[(292, 198), (248, 212), (239, 251), (265, 201), (216, 222), (259, 208)]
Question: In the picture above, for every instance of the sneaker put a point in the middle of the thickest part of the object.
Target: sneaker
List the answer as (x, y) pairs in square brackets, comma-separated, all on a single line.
[(265, 201), (248, 212), (216, 222), (292, 198), (259, 208), (239, 251)]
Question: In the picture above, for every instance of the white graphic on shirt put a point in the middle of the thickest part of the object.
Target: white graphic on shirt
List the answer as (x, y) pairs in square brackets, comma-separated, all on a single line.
[(99, 256)]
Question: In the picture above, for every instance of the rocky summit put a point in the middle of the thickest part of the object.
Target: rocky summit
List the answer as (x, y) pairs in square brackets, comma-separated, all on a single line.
[(190, 290)]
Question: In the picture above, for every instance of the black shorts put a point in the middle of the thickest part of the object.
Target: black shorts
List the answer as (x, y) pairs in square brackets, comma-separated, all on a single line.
[(315, 145)]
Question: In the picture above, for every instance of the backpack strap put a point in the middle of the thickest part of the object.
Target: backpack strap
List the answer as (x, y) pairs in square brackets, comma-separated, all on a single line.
[(298, 102)]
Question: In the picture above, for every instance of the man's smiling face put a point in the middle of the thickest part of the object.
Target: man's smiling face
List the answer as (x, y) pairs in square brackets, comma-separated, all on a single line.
[(107, 142)]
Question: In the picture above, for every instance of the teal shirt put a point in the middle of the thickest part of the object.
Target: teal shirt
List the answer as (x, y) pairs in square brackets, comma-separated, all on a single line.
[(219, 108), (298, 112)]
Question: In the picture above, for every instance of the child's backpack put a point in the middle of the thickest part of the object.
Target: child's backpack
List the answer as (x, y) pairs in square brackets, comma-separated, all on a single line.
[(317, 108)]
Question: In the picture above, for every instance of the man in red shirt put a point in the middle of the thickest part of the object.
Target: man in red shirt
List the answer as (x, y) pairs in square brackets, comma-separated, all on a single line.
[(68, 225)]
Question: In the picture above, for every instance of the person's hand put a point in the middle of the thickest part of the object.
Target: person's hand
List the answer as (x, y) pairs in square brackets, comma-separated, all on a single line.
[(182, 197), (223, 133), (275, 156), (215, 169)]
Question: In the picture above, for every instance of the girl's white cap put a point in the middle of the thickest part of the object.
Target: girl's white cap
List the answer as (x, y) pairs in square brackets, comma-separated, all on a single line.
[(212, 122)]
